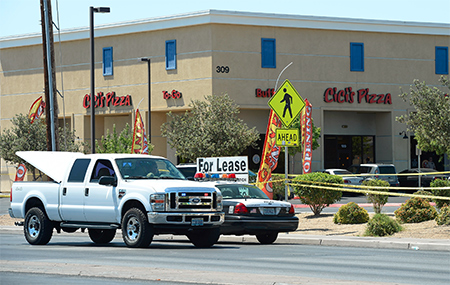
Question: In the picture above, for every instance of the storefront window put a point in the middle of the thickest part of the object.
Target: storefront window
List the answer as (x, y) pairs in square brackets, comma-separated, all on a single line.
[(343, 151)]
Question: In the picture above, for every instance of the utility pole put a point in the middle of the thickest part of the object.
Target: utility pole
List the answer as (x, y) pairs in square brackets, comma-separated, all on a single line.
[(51, 109)]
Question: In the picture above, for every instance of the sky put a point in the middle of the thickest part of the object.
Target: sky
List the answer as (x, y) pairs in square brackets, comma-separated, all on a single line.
[(18, 17)]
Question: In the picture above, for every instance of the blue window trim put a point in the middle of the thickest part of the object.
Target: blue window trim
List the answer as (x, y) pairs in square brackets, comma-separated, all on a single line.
[(357, 57), (107, 61), (171, 54), (441, 60), (268, 53)]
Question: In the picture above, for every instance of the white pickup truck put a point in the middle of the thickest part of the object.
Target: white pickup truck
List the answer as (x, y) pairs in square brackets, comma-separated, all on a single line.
[(142, 195)]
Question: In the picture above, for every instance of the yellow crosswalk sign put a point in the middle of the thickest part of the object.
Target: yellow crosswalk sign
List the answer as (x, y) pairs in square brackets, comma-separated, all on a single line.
[(287, 103)]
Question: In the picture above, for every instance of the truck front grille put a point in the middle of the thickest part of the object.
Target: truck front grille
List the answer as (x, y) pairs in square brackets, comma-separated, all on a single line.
[(194, 201)]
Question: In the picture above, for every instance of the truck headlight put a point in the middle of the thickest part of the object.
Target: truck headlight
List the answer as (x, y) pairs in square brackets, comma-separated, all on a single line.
[(158, 202), (219, 202)]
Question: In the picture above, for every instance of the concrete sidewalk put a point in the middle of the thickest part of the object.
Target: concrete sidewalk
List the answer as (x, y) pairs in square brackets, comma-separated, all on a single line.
[(317, 240)]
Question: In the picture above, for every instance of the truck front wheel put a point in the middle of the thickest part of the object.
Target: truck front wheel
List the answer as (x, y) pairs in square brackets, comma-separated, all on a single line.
[(204, 238), (136, 231), (38, 229), (102, 236)]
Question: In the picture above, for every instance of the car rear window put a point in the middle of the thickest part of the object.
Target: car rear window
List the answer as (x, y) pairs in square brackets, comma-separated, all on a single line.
[(365, 169), (387, 169)]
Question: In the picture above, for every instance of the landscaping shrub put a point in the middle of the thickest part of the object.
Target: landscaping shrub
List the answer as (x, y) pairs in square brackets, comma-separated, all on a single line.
[(424, 192), (415, 210), (317, 198), (377, 200), (351, 213), (443, 218), (382, 225), (278, 186), (439, 184)]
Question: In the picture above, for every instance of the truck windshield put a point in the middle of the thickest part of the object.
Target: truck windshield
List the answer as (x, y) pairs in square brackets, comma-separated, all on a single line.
[(147, 168)]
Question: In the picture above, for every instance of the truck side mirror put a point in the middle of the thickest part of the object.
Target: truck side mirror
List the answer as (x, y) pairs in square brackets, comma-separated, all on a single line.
[(108, 181)]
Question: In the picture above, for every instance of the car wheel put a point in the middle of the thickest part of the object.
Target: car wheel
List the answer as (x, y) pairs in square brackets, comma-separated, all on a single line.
[(102, 236), (38, 229), (136, 231), (267, 238), (204, 238)]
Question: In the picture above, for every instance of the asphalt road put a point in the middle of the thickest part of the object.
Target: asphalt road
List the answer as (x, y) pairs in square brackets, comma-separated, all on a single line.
[(75, 258)]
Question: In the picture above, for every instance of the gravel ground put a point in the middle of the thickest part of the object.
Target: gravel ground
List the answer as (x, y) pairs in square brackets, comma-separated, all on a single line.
[(323, 225)]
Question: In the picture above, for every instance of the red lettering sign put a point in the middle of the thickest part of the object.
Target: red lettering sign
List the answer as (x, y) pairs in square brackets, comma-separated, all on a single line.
[(347, 96), (175, 94), (105, 101), (268, 93)]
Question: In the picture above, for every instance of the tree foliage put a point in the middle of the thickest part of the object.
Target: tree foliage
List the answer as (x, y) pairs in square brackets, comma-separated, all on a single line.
[(211, 128), (117, 143), (24, 136), (431, 120)]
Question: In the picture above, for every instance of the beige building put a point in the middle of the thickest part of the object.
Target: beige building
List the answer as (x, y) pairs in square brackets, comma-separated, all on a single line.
[(351, 70)]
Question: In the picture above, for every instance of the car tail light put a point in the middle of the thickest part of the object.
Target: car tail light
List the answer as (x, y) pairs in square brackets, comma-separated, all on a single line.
[(346, 181), (292, 210), (240, 209), (10, 196)]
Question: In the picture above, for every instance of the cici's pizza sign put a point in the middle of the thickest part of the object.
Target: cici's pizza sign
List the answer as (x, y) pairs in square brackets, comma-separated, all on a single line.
[(347, 95), (110, 99)]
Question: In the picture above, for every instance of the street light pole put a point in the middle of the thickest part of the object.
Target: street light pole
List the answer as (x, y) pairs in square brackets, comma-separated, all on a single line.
[(93, 10), (149, 100)]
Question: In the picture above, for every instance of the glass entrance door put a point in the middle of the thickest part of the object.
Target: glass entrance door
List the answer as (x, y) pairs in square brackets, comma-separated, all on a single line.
[(343, 151)]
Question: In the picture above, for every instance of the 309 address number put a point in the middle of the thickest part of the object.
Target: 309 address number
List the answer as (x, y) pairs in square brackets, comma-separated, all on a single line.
[(222, 69)]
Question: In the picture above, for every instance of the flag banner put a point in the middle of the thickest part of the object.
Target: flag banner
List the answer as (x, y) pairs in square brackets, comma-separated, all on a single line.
[(140, 142), (20, 174), (306, 123), (269, 159), (36, 109)]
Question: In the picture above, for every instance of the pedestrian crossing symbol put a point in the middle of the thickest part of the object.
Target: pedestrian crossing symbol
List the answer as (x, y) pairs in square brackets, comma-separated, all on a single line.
[(287, 103)]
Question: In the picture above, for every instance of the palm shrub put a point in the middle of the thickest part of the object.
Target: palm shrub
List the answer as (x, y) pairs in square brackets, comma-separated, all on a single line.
[(437, 190), (377, 200), (443, 218), (415, 210), (382, 225), (317, 198), (351, 213)]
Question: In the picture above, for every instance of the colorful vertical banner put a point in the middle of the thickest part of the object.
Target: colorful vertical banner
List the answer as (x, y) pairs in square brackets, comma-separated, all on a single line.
[(269, 159), (21, 171), (140, 142), (306, 123), (36, 109)]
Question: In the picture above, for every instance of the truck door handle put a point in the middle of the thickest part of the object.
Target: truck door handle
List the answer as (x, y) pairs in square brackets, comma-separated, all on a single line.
[(86, 191), (64, 191)]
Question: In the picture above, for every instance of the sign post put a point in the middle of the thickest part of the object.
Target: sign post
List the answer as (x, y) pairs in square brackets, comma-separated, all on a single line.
[(287, 104)]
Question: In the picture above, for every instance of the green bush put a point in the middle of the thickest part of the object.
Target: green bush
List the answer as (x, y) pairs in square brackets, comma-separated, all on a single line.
[(382, 225), (351, 213), (415, 210), (443, 218), (278, 186), (377, 200), (439, 184), (424, 192), (317, 198)]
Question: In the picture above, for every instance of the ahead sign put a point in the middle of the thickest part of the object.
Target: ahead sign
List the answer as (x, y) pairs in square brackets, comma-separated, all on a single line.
[(287, 137)]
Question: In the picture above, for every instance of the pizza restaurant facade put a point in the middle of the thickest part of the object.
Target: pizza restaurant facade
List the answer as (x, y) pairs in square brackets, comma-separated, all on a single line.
[(351, 71)]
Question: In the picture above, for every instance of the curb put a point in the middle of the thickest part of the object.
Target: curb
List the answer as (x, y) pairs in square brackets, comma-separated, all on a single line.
[(315, 240)]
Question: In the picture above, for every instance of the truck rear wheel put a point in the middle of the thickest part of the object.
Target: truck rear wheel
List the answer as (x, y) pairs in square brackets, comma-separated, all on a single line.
[(102, 236), (38, 229), (204, 238), (267, 238), (136, 231)]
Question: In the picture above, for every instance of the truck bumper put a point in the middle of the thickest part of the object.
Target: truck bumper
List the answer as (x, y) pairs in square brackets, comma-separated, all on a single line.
[(187, 219), (10, 211)]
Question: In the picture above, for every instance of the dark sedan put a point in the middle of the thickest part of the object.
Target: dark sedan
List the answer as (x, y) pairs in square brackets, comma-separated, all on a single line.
[(412, 180), (248, 211)]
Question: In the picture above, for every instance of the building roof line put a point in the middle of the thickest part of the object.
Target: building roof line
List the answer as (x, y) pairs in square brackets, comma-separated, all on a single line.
[(236, 18)]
